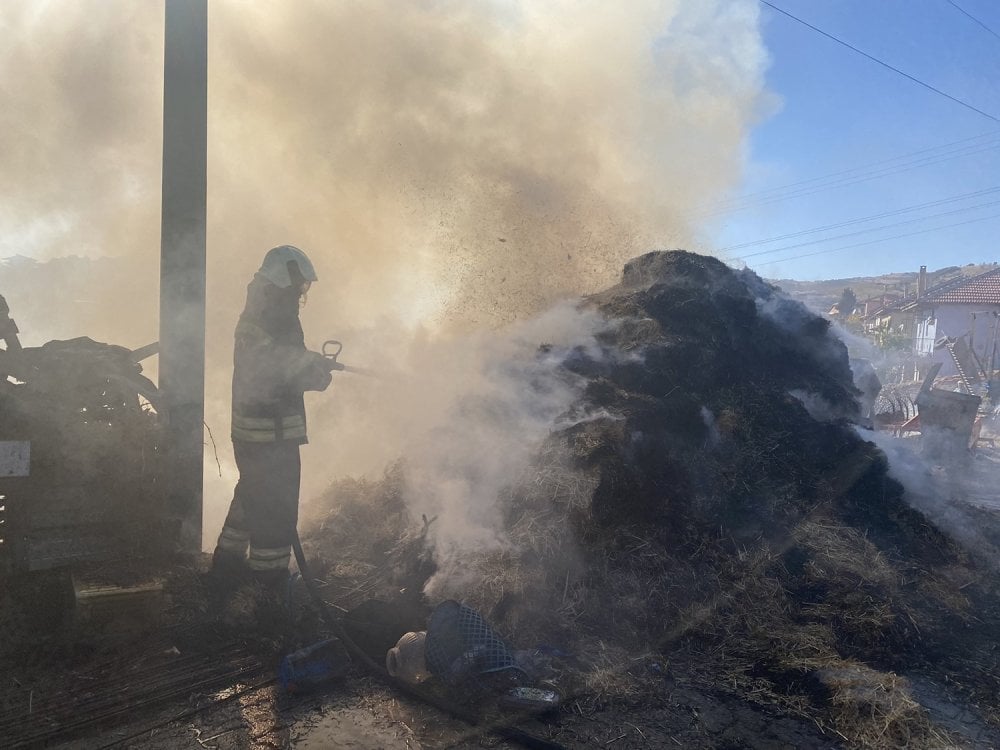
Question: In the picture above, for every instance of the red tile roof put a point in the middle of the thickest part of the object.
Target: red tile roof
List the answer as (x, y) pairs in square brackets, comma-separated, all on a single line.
[(983, 289)]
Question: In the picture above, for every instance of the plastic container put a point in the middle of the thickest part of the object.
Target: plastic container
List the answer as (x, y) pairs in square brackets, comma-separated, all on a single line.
[(313, 666), (406, 660)]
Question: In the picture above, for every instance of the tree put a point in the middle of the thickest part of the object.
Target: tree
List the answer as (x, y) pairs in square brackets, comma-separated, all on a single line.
[(848, 301), (887, 338)]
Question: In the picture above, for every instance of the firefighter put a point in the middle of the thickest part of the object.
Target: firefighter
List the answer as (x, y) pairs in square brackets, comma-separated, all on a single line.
[(271, 370), (8, 328)]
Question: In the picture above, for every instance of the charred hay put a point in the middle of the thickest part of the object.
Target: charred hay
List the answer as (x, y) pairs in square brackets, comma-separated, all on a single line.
[(711, 505)]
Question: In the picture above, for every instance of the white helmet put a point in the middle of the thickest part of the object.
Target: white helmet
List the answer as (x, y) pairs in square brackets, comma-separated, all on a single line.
[(285, 265)]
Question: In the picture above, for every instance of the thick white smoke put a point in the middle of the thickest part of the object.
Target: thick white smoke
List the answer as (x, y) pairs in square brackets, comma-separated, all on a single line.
[(948, 491), (450, 166), (473, 440)]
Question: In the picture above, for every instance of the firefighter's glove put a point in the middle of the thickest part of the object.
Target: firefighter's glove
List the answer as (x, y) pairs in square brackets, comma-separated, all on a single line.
[(315, 373)]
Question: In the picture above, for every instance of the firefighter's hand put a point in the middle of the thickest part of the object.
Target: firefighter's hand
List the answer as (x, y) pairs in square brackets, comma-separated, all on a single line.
[(315, 376), (323, 381)]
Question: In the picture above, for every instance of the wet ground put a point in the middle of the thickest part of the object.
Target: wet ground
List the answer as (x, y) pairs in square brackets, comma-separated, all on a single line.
[(675, 705), (209, 697), (360, 715), (168, 701), (172, 700), (352, 716)]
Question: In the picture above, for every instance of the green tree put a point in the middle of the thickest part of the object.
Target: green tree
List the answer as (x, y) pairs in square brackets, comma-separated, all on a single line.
[(848, 301), (889, 339)]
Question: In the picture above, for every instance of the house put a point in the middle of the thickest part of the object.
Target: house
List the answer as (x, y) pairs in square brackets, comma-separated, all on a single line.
[(957, 323), (875, 309), (955, 320)]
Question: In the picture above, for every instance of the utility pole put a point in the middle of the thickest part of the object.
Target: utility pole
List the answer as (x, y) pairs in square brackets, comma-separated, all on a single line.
[(993, 352), (182, 259)]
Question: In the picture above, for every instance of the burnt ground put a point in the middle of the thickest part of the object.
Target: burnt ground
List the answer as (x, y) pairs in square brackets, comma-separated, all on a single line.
[(178, 690), (212, 684), (358, 712), (204, 683), (145, 694)]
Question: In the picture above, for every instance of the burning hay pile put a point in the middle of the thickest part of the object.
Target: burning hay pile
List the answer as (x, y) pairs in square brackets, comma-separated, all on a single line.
[(706, 514)]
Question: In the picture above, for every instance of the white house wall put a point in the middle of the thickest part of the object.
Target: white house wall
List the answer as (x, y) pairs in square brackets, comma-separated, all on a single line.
[(955, 320)]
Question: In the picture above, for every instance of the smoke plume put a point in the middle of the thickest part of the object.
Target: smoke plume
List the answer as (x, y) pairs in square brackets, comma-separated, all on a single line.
[(451, 167), (952, 492)]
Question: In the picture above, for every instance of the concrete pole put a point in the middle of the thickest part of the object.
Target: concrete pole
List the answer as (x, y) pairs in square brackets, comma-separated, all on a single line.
[(182, 259)]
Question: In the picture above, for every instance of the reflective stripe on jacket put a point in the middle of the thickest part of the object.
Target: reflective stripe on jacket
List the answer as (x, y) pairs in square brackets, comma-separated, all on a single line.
[(268, 429), (272, 368), (273, 558)]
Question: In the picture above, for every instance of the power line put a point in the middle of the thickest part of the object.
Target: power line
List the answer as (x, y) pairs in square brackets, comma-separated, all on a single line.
[(882, 239), (869, 231), (965, 12), (849, 177), (735, 206), (883, 168), (862, 220), (991, 136), (881, 62)]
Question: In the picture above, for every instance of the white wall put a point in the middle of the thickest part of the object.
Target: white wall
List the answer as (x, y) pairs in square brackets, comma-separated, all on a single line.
[(954, 320)]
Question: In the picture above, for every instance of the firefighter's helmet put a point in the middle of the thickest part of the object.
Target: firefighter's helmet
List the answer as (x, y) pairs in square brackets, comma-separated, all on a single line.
[(286, 265)]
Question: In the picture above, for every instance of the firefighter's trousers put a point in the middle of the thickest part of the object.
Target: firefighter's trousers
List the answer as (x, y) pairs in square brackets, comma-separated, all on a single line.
[(265, 507)]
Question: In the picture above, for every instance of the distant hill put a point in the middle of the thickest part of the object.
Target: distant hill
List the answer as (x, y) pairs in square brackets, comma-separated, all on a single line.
[(820, 296)]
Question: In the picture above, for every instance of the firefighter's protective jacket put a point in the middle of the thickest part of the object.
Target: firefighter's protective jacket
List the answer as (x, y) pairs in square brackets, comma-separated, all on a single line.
[(272, 367)]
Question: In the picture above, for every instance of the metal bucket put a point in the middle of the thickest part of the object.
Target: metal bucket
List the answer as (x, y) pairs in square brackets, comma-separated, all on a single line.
[(946, 422)]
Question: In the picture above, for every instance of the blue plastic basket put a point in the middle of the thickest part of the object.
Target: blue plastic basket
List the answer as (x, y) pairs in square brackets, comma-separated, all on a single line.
[(460, 644)]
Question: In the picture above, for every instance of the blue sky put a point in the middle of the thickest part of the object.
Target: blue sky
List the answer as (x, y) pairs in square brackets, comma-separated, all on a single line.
[(838, 111)]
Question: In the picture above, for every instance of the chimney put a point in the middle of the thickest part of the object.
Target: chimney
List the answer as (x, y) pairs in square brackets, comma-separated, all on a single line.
[(922, 282)]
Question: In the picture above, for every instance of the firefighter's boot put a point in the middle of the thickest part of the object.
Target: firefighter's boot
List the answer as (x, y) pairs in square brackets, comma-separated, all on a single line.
[(275, 581), (228, 571)]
